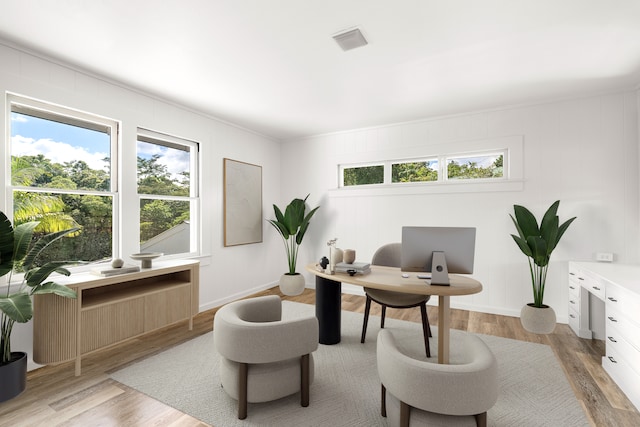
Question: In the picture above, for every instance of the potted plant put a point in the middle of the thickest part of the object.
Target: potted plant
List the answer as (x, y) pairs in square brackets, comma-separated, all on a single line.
[(292, 225), (17, 254), (537, 243)]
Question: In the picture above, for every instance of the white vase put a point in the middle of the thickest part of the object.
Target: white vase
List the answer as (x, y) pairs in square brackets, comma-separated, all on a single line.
[(539, 320), (292, 284)]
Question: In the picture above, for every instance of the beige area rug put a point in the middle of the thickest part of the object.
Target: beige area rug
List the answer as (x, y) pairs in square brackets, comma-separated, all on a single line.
[(346, 392)]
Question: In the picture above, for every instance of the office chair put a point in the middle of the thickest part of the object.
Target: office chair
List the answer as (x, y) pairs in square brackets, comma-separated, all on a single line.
[(389, 255)]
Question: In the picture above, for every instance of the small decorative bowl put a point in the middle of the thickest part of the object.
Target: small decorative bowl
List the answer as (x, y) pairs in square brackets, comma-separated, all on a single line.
[(352, 272), (146, 258)]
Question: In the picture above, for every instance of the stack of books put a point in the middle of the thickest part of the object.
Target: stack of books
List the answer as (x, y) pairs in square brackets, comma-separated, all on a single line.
[(359, 267)]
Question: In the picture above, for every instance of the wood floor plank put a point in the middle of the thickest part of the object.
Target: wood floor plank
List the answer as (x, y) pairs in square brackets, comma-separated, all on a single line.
[(55, 396)]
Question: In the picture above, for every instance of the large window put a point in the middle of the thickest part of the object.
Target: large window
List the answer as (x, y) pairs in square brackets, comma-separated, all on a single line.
[(167, 188), (62, 175)]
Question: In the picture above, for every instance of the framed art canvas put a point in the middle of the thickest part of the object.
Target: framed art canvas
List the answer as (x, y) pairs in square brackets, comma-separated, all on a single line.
[(242, 203)]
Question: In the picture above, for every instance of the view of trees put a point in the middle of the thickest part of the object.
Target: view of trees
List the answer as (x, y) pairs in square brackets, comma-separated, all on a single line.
[(93, 213), (156, 215), (414, 172), (424, 171), (364, 175), (471, 169)]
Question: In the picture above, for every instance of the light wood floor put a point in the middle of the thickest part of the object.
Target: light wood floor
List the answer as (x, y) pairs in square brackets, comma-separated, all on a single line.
[(54, 396)]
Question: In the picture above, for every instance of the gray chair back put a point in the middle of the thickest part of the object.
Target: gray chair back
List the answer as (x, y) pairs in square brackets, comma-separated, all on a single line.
[(389, 255)]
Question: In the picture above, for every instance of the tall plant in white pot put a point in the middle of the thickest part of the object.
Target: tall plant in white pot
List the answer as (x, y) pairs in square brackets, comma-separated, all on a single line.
[(292, 226), (537, 242)]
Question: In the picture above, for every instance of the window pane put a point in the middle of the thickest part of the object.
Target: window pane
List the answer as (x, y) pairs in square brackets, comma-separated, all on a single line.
[(165, 226), (364, 175), (415, 171), (474, 167), (163, 168), (54, 154), (56, 212)]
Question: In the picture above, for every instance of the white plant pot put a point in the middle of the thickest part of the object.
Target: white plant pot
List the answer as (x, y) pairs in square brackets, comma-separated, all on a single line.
[(292, 284), (539, 320)]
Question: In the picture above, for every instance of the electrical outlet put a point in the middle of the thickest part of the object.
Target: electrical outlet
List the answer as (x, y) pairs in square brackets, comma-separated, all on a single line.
[(604, 256)]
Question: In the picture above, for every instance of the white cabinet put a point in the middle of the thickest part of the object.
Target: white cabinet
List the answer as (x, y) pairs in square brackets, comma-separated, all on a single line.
[(619, 287), (578, 303)]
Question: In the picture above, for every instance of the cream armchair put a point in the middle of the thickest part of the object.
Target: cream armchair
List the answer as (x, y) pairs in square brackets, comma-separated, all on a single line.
[(411, 386), (263, 357)]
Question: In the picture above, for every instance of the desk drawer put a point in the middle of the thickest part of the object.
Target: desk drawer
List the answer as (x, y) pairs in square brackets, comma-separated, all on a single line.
[(623, 375), (574, 290), (592, 284), (628, 330), (616, 341), (624, 301), (574, 320)]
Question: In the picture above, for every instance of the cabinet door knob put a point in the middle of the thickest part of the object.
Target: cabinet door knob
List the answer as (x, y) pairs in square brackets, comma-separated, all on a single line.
[(612, 359), (572, 274), (612, 299), (572, 316), (612, 339), (580, 278), (572, 302), (612, 319), (596, 288), (571, 287)]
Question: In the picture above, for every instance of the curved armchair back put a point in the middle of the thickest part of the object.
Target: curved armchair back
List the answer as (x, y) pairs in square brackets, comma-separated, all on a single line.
[(252, 331), (468, 388)]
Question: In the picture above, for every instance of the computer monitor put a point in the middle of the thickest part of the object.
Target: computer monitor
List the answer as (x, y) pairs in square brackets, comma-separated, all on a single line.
[(439, 251)]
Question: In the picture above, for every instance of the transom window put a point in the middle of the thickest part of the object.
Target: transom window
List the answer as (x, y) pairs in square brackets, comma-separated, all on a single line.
[(437, 169)]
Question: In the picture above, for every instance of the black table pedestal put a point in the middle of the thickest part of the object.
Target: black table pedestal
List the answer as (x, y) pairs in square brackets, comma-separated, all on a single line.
[(328, 309)]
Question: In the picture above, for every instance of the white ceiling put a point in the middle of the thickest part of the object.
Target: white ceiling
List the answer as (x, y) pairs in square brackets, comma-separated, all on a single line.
[(272, 66)]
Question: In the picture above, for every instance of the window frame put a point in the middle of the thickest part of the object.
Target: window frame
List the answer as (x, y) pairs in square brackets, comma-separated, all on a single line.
[(69, 116), (442, 168), (513, 164), (154, 137)]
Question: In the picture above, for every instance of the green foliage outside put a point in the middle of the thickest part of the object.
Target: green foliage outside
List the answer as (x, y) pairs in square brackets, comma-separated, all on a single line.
[(413, 172), (471, 170), (423, 172), (364, 175), (91, 213)]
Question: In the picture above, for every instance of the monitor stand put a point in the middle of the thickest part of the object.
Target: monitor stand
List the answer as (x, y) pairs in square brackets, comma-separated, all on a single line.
[(439, 271)]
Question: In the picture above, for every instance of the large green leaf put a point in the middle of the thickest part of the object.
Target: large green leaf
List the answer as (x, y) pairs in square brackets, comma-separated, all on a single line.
[(36, 276), (42, 243), (54, 288), (17, 307), (528, 225), (22, 235), (6, 245)]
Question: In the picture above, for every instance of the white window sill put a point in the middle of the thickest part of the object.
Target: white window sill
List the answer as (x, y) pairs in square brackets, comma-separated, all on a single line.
[(428, 188)]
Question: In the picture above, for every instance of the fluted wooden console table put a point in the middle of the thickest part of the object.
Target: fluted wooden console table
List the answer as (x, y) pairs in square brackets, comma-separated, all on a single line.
[(329, 288), (110, 310)]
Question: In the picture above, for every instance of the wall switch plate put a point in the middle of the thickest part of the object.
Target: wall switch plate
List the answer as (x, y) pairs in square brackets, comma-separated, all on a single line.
[(604, 256)]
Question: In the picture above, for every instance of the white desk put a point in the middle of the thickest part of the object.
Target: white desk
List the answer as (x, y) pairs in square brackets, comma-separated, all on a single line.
[(618, 285)]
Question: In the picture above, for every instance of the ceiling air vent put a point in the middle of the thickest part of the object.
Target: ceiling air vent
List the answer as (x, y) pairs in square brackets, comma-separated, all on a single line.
[(350, 39)]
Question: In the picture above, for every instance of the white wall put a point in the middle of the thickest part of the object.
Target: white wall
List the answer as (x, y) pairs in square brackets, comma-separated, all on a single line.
[(583, 152), (226, 273)]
